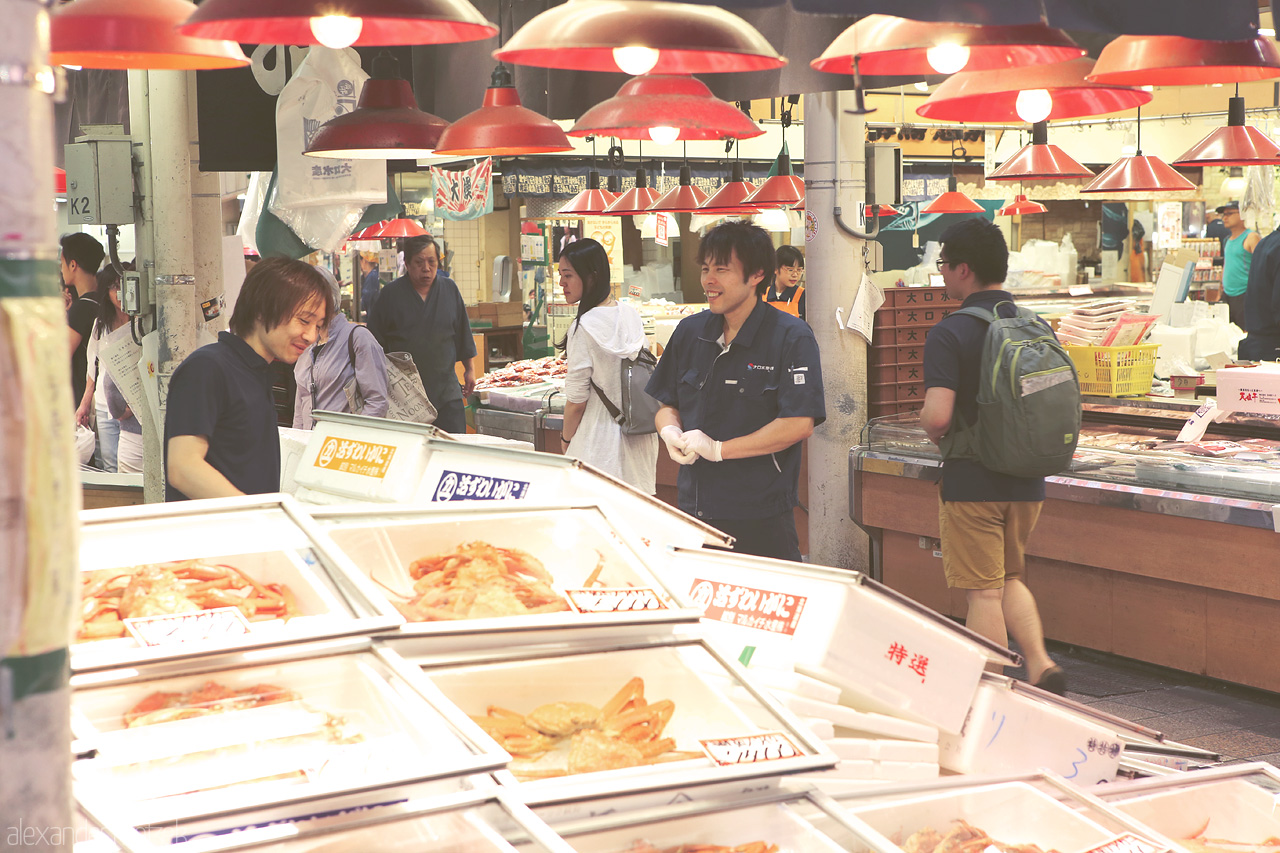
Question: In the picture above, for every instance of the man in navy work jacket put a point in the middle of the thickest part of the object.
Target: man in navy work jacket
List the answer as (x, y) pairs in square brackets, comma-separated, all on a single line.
[(985, 517), (220, 423), (740, 387), (422, 313)]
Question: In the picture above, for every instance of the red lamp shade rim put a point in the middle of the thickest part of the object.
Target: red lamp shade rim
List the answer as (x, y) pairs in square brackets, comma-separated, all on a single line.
[(891, 46), (588, 203), (633, 202), (729, 199), (59, 181), (993, 95), (1022, 206), (668, 100), (1233, 145), (886, 210), (1039, 163), (683, 198), (1179, 61), (691, 39), (502, 128), (401, 228), (135, 34), (778, 191), (369, 232), (1139, 173), (385, 22), (953, 202)]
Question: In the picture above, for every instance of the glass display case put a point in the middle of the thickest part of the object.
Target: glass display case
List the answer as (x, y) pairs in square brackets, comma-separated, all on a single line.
[(168, 580), (227, 734)]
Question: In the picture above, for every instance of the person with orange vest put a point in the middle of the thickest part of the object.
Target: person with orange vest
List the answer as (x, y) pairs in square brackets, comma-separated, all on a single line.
[(786, 293)]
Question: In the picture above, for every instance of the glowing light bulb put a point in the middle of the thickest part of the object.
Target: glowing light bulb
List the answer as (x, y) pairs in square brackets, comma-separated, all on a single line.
[(664, 135), (1034, 105), (635, 59), (948, 57), (922, 86), (1234, 184), (775, 219), (336, 31)]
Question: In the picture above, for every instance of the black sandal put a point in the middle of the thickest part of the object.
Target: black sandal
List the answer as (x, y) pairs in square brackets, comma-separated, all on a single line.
[(1054, 680)]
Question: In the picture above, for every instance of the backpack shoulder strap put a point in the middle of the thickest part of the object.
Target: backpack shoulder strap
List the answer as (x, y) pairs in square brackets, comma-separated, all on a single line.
[(351, 355), (974, 311), (614, 411)]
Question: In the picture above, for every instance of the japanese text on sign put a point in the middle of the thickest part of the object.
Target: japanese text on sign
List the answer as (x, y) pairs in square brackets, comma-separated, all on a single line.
[(764, 610), (355, 457), (1126, 843), (770, 746), (919, 664), (456, 486), (614, 600), (175, 628)]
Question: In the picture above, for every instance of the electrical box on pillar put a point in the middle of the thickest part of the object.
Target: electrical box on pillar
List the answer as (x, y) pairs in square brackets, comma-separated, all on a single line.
[(135, 298), (100, 177), (884, 173)]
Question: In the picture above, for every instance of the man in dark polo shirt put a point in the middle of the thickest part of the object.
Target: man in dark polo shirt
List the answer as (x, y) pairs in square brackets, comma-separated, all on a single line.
[(740, 387), (81, 257), (422, 313), (220, 422), (986, 517)]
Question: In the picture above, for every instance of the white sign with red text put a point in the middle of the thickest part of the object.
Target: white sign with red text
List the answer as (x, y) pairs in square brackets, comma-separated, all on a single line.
[(198, 626), (750, 749), (620, 600)]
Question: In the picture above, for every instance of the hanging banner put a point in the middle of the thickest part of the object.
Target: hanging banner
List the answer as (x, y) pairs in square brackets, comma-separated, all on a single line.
[(464, 195), (534, 179), (607, 231)]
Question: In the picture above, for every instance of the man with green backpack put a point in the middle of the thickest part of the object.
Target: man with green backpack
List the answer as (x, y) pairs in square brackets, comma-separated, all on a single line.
[(1003, 405)]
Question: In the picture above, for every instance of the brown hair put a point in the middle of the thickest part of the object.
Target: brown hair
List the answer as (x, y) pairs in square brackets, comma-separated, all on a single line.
[(274, 290)]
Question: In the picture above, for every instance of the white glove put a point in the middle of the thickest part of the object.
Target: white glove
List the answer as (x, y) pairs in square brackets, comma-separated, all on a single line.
[(673, 437), (697, 441)]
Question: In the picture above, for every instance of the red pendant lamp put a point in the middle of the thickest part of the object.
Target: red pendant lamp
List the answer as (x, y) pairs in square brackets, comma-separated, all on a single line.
[(401, 227), (1034, 94), (953, 201), (135, 34), (1138, 173), (369, 232), (665, 108), (890, 46), (385, 125), (639, 37), (636, 200), (782, 190), (682, 198), (502, 127), (59, 182), (590, 202), (1039, 161), (1237, 144), (1022, 206), (1178, 61), (338, 23), (729, 199), (885, 210)]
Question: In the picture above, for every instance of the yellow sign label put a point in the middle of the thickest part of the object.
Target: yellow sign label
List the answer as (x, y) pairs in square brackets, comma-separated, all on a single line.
[(355, 457)]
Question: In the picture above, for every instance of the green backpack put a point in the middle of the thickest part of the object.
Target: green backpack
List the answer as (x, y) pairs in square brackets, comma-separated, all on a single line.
[(1028, 400)]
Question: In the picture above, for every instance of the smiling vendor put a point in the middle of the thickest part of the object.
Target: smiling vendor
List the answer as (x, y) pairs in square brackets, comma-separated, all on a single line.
[(741, 388)]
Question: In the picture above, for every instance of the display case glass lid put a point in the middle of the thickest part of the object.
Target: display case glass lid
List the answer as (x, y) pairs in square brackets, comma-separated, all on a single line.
[(227, 734), (182, 579), (494, 569), (668, 713)]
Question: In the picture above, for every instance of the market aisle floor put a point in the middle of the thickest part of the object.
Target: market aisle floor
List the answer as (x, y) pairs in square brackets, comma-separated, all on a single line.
[(1241, 723)]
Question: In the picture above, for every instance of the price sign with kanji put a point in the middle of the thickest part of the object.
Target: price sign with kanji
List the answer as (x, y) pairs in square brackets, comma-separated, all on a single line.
[(661, 230), (763, 609), (751, 749), (621, 600), (177, 628)]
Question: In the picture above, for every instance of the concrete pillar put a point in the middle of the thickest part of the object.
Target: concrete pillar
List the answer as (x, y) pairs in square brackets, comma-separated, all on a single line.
[(206, 217), (39, 485), (834, 177)]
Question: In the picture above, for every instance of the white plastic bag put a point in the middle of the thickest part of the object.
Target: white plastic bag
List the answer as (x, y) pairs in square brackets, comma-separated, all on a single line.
[(253, 200), (86, 441)]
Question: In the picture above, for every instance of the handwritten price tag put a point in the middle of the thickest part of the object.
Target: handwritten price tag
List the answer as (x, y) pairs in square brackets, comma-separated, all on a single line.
[(620, 600), (751, 749), (177, 628), (1127, 843)]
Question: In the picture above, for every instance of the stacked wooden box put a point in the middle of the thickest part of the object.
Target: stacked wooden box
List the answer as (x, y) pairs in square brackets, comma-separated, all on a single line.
[(896, 360)]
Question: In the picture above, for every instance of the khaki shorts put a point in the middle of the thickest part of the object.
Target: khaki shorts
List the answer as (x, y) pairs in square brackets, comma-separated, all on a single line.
[(984, 543)]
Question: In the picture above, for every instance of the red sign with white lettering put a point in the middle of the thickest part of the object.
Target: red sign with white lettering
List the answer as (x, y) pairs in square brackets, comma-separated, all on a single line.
[(763, 609)]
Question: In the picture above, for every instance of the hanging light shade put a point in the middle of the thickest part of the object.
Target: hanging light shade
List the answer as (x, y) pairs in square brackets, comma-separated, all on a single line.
[(953, 201), (636, 200), (338, 23), (1039, 161), (886, 45), (782, 190), (885, 210), (1178, 61), (591, 201), (385, 125), (401, 227), (59, 182), (646, 105), (728, 200), (993, 96), (134, 34), (1237, 144), (502, 127), (1022, 206), (1138, 174), (369, 232), (640, 37), (682, 198)]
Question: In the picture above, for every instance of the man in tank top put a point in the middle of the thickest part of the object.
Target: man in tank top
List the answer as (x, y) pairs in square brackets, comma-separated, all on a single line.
[(1237, 257)]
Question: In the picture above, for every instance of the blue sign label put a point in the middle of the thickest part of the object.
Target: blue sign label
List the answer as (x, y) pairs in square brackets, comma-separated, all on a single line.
[(456, 486)]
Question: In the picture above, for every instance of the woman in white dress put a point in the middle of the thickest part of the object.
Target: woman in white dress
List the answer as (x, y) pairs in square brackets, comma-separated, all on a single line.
[(604, 332)]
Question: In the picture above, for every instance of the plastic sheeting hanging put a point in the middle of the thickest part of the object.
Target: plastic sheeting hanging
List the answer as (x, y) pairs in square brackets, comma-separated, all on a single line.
[(1258, 203)]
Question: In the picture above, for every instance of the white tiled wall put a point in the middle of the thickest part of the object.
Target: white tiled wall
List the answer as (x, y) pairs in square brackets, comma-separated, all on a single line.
[(463, 239)]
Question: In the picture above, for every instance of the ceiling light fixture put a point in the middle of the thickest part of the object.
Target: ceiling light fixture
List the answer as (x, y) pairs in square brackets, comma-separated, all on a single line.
[(1034, 105), (953, 201), (656, 105), (890, 46), (590, 202), (134, 34), (1234, 184), (1039, 161), (502, 127), (993, 96), (385, 125), (401, 227), (782, 190), (1138, 174), (682, 198), (1022, 206), (636, 200), (1178, 61), (729, 199), (1237, 144), (638, 37), (338, 23)]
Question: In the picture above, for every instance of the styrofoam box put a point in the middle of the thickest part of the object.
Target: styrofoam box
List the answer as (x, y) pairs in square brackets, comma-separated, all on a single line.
[(1013, 813), (774, 824), (878, 749), (1233, 810), (1007, 732), (1250, 389), (847, 720), (887, 771)]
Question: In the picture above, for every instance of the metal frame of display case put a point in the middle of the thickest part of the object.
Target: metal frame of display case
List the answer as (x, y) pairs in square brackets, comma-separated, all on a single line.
[(1136, 787), (371, 613)]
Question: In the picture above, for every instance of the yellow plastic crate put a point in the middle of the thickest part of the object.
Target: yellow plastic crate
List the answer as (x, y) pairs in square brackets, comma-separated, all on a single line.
[(1115, 371)]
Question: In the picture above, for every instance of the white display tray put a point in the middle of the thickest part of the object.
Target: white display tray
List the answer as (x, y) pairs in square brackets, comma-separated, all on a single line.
[(1236, 811)]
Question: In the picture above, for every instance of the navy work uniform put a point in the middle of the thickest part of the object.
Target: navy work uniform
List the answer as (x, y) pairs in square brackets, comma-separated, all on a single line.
[(771, 370)]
